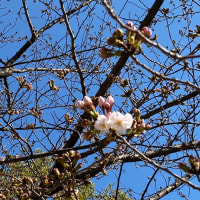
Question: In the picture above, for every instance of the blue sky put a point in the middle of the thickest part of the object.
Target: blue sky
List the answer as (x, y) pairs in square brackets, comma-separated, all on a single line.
[(131, 177)]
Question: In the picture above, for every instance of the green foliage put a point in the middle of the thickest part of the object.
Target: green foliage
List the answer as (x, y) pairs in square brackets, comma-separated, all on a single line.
[(15, 176), (34, 168), (90, 193)]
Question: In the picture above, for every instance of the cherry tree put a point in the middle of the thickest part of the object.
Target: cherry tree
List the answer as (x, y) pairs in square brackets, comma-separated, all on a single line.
[(90, 87)]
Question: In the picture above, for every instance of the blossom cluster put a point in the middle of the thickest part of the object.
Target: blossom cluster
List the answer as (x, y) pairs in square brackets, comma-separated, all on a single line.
[(132, 42), (110, 121), (114, 120)]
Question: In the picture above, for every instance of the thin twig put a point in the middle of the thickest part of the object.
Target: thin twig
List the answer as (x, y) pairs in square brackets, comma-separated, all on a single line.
[(170, 188), (118, 180), (150, 161), (28, 17), (73, 48)]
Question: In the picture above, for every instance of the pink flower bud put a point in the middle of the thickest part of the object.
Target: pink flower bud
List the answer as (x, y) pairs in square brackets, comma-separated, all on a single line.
[(130, 24), (101, 101), (148, 126), (142, 125), (29, 86), (158, 90), (106, 106), (81, 105), (146, 32), (110, 100), (149, 33), (87, 100), (136, 111)]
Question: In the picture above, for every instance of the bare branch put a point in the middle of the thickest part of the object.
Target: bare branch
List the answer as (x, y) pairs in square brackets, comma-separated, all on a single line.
[(32, 29), (170, 188), (147, 159), (73, 48), (151, 13)]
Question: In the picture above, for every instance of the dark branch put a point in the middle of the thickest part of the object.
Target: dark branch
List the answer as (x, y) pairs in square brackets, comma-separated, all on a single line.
[(151, 14), (114, 72), (170, 104)]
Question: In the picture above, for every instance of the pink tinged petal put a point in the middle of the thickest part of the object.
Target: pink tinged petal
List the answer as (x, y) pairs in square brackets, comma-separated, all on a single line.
[(101, 101), (110, 100), (87, 100), (149, 34), (106, 105), (121, 122), (115, 116), (130, 24), (128, 120), (102, 124), (116, 119), (81, 104)]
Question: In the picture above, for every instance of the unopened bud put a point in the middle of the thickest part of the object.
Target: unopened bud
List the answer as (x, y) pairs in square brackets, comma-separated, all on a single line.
[(101, 101)]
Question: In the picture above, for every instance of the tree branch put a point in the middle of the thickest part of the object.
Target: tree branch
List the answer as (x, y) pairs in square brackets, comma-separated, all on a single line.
[(37, 35), (170, 188), (158, 166), (151, 13), (73, 47), (104, 86), (170, 104)]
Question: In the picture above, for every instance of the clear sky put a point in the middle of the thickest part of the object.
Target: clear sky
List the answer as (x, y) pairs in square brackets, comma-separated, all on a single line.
[(132, 176)]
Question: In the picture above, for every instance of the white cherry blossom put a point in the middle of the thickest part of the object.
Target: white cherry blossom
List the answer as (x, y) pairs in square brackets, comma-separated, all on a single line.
[(102, 124), (120, 122)]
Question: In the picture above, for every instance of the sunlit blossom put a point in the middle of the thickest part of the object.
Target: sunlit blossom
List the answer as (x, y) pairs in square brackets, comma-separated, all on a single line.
[(120, 122), (102, 124)]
